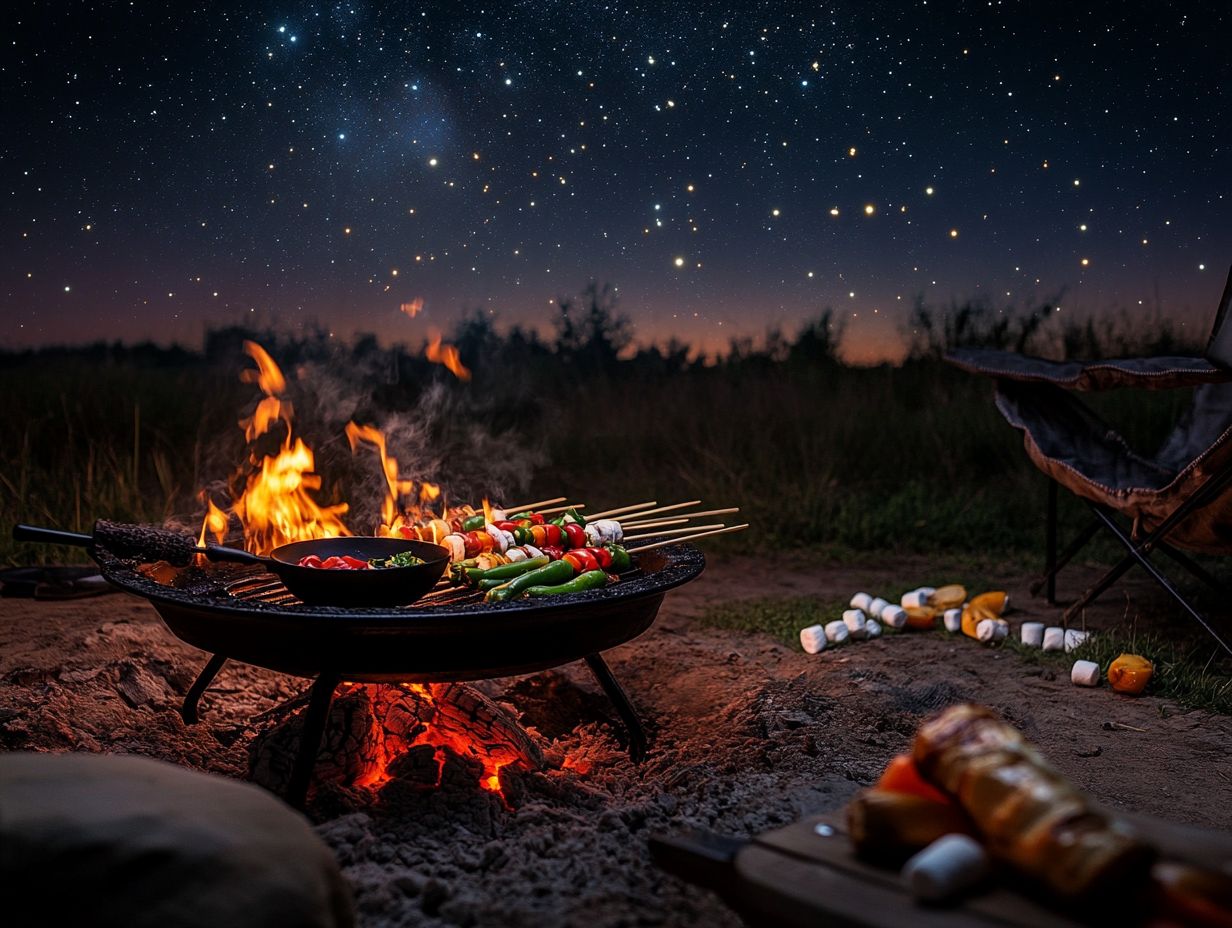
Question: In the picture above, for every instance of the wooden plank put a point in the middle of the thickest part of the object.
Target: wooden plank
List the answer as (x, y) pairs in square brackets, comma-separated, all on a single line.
[(806, 873), (777, 889)]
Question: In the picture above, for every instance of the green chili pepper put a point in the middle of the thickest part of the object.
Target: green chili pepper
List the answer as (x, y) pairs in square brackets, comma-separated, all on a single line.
[(590, 580), (519, 516), (620, 559), (550, 574), (515, 569), (474, 523)]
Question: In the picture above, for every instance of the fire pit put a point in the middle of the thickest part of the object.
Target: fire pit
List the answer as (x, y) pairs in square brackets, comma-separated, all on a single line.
[(246, 614)]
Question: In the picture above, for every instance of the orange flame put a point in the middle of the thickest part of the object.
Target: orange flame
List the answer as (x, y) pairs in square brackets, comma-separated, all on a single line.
[(215, 522), (446, 355), (413, 308), (275, 507)]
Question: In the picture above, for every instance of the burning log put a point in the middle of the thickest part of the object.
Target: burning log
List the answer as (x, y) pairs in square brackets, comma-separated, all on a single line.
[(382, 732)]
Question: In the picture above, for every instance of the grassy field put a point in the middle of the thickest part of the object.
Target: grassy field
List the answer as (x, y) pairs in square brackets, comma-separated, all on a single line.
[(909, 458)]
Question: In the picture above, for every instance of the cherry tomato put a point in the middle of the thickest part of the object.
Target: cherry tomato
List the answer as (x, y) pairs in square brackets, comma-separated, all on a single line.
[(576, 535), (552, 535), (603, 556)]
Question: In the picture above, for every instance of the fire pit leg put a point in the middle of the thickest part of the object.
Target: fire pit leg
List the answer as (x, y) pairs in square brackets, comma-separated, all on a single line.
[(615, 692), (188, 711), (310, 738)]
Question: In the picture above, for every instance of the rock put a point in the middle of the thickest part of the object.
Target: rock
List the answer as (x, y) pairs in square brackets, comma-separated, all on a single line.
[(77, 828)]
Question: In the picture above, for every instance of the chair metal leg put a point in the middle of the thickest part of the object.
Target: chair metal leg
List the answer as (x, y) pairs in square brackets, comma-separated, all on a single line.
[(1050, 546), (1071, 550), (1194, 568), (315, 718), (615, 692), (188, 711), (1138, 556)]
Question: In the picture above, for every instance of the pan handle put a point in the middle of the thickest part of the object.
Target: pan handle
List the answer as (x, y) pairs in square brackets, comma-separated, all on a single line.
[(236, 555), (51, 536)]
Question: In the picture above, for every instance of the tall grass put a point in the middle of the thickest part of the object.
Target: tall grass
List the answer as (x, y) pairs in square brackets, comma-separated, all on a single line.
[(897, 458)]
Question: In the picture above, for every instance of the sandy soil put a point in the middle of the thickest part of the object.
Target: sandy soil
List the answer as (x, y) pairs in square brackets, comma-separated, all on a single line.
[(747, 734)]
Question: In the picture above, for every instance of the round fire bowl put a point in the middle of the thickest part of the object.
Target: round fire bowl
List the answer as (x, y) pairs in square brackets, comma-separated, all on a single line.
[(418, 643)]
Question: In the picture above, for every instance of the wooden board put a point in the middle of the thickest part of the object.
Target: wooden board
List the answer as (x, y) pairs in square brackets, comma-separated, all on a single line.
[(807, 875)]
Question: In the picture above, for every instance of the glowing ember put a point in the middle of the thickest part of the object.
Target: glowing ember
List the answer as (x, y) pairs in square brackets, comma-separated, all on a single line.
[(446, 355), (382, 732), (413, 308)]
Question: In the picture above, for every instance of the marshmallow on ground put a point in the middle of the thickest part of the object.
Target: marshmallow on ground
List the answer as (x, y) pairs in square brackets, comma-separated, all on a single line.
[(861, 601), (894, 616), (1073, 638), (1033, 634), (1054, 638), (945, 868), (990, 630), (952, 619), (813, 639), (855, 620), (876, 607), (1085, 673), (917, 598), (836, 631), (872, 629)]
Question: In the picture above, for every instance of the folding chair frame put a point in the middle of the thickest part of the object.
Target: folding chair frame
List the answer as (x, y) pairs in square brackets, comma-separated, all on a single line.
[(1138, 552)]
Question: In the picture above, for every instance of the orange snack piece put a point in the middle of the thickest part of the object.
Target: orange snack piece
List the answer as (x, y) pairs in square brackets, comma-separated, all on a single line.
[(902, 776), (994, 601), (921, 618), (1130, 673)]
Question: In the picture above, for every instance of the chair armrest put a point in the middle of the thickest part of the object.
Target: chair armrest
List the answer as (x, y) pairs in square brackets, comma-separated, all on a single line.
[(1161, 373)]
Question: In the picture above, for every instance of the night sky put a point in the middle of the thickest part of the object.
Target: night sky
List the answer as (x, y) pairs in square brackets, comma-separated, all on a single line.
[(168, 166)]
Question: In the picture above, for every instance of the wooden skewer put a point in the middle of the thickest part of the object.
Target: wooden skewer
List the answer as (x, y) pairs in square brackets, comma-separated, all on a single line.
[(663, 509), (682, 517), (548, 512), (676, 541), (614, 512), (652, 524), (542, 502), (673, 531), (709, 512)]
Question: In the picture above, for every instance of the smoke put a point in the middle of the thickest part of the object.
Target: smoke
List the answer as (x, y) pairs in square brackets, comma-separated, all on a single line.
[(439, 430)]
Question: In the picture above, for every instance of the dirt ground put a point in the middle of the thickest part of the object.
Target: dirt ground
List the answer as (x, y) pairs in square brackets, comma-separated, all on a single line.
[(746, 735)]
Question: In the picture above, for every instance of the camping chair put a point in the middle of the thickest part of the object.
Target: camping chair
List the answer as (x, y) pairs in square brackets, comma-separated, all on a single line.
[(1179, 499)]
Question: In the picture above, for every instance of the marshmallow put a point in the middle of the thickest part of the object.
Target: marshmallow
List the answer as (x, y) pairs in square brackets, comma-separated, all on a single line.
[(1033, 634), (855, 621), (952, 619), (813, 639), (894, 616), (876, 607), (861, 601), (945, 868), (836, 631), (990, 630), (1073, 638), (1085, 673), (1054, 638), (917, 598), (872, 629)]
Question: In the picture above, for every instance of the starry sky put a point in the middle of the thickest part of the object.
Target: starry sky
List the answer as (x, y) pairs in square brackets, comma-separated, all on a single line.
[(724, 167)]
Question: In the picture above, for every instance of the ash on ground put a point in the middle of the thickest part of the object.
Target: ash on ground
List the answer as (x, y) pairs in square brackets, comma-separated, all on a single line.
[(746, 734)]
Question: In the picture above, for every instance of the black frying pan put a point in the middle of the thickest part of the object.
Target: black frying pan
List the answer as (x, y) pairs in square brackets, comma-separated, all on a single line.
[(385, 586)]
